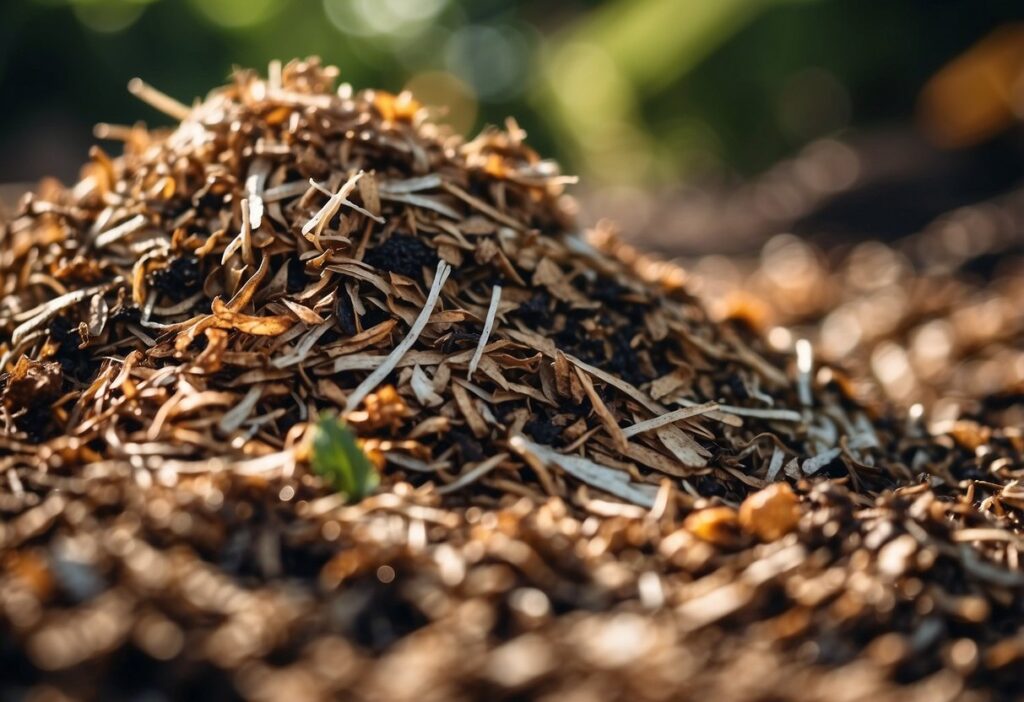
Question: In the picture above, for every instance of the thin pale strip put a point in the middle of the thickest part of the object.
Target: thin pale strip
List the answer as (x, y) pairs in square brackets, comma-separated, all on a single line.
[(182, 307), (614, 482), (369, 362), (653, 459), (254, 185), (804, 364), (291, 97), (303, 348), (234, 417), (139, 334), (483, 207), (364, 339), (377, 376), (422, 201), (718, 415), (286, 338), (38, 316), (669, 418), (158, 100), (318, 221), (492, 311), (120, 231), (775, 464), (356, 270), (619, 383), (476, 390), (408, 462), (709, 607), (147, 311), (750, 480), (198, 400), (274, 75), (423, 388), (474, 474), (236, 243), (538, 180), (113, 132), (255, 210), (242, 240), (782, 415), (285, 191), (530, 391), (305, 314), (815, 463), (682, 445), (411, 185), (604, 508), (246, 233), (283, 461)]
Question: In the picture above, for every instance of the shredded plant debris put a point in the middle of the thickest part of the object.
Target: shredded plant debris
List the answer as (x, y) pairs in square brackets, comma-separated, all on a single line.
[(588, 486)]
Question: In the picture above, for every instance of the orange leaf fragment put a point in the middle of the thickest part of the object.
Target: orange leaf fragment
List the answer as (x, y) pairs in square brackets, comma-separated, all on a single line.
[(717, 525), (771, 513)]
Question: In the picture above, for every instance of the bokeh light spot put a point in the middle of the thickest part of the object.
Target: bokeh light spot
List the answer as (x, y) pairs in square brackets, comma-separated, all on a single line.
[(491, 59), (381, 17), (108, 16)]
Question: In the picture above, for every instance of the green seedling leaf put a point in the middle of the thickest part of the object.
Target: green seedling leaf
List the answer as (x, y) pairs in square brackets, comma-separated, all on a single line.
[(338, 459)]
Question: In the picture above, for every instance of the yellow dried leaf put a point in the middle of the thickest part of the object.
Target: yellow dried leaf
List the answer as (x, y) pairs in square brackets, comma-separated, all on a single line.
[(249, 324)]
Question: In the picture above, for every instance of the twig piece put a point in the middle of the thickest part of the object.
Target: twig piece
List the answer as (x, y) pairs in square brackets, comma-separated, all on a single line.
[(158, 100), (669, 418), (375, 378), (486, 333)]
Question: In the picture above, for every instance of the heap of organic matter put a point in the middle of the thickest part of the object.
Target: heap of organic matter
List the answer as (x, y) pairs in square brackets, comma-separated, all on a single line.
[(577, 464)]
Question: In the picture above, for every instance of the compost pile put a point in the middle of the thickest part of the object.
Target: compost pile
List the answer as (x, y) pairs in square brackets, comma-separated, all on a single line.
[(588, 489)]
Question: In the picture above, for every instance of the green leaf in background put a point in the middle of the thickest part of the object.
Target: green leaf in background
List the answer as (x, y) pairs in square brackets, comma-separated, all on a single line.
[(338, 459)]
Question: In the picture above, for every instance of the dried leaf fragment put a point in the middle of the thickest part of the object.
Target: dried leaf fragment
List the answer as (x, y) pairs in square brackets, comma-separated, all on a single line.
[(271, 325), (716, 525), (771, 513)]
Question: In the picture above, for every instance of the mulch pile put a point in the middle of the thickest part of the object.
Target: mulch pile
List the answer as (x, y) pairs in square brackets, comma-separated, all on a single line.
[(589, 489)]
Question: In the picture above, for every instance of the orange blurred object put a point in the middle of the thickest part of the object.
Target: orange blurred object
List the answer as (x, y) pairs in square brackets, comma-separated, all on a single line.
[(771, 513), (978, 94)]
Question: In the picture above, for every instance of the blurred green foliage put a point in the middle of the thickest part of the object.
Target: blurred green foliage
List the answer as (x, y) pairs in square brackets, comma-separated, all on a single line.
[(623, 90)]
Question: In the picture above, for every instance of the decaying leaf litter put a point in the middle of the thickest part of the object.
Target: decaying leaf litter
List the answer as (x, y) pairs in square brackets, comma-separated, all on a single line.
[(577, 465)]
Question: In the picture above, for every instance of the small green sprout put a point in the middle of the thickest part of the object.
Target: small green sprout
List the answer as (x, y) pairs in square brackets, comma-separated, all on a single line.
[(339, 460)]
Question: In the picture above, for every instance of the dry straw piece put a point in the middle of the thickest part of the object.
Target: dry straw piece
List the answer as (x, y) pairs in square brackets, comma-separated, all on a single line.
[(545, 414)]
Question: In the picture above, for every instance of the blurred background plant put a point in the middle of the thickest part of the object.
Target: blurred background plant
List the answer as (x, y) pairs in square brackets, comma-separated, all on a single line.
[(626, 92), (761, 141)]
